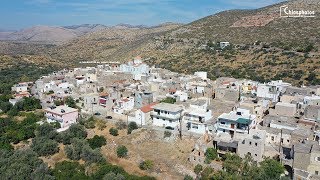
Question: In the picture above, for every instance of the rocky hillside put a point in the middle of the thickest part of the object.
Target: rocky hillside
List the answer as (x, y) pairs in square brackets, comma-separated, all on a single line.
[(265, 46)]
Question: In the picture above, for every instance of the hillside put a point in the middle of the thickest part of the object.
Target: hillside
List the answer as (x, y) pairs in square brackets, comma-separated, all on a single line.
[(265, 46), (287, 48)]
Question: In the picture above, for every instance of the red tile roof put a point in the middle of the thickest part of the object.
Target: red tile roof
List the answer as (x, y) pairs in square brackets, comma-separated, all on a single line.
[(148, 108)]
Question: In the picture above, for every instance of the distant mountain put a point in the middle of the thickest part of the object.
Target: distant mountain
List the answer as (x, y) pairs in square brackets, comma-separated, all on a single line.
[(86, 28), (123, 25), (41, 34)]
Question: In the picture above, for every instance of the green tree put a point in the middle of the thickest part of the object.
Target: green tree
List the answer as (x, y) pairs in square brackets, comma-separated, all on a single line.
[(97, 141), (146, 165), (168, 100), (132, 126), (271, 169), (69, 170), (44, 146), (122, 151), (188, 177), (5, 106), (211, 154), (70, 102), (232, 163), (46, 130), (197, 169), (113, 131)]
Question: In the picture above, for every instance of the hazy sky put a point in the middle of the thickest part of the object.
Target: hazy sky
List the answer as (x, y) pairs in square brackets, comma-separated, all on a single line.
[(17, 14)]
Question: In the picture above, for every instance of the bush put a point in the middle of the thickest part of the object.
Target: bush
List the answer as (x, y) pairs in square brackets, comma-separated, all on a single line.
[(101, 124), (113, 131), (197, 169), (122, 151), (121, 125), (97, 141), (169, 100), (113, 176), (167, 134), (211, 154), (187, 177), (146, 165), (132, 126)]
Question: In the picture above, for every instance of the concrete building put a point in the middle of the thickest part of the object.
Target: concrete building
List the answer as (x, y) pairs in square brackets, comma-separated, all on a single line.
[(235, 122), (143, 115), (284, 109), (253, 145), (197, 117), (63, 114), (142, 98), (20, 87), (135, 67), (165, 114), (227, 94), (271, 90), (312, 113)]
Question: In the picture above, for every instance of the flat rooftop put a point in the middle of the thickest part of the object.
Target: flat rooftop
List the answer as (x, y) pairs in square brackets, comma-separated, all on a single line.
[(61, 110), (168, 107)]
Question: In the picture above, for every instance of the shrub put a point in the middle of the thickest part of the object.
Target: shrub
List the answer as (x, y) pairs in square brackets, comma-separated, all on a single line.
[(132, 126), (197, 169), (187, 177), (211, 154), (121, 125), (101, 124), (122, 151), (167, 134), (146, 165), (113, 131)]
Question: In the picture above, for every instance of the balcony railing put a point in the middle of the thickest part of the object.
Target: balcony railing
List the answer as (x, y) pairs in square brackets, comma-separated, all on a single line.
[(165, 116), (54, 118)]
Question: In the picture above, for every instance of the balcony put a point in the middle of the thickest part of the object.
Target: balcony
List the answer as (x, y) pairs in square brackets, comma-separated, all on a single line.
[(60, 120), (166, 116)]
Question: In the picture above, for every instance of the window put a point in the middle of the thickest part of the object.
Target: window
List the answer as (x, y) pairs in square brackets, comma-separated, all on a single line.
[(223, 122), (250, 143), (255, 154), (256, 144), (316, 172), (318, 159), (272, 138)]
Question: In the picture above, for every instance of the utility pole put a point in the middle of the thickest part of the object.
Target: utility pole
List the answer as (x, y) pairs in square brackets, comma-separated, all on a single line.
[(180, 129)]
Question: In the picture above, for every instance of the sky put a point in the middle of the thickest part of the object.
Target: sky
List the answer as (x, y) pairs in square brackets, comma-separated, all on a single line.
[(18, 14)]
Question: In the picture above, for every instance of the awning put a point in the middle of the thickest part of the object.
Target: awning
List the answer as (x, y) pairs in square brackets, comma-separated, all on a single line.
[(244, 121)]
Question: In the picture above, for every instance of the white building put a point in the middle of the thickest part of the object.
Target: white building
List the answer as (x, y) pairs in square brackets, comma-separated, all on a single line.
[(125, 104), (178, 95), (235, 122), (135, 67), (224, 44), (165, 114), (201, 74), (143, 115), (271, 90), (197, 116), (20, 88)]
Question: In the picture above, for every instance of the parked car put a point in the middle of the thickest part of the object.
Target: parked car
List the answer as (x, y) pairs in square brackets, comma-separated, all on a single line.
[(109, 117), (97, 114), (169, 127)]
